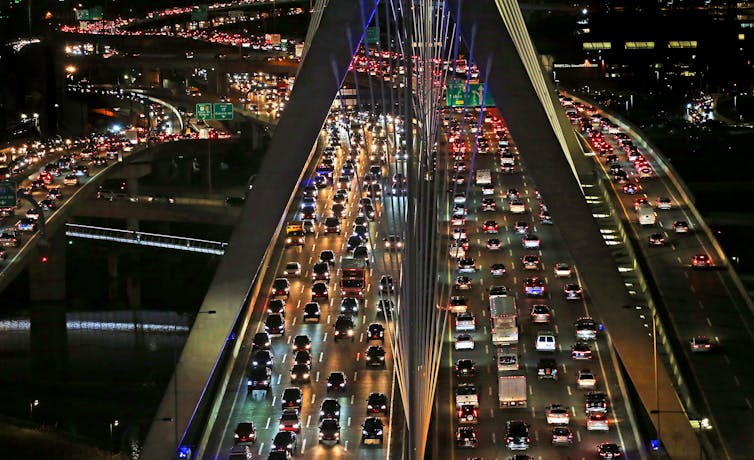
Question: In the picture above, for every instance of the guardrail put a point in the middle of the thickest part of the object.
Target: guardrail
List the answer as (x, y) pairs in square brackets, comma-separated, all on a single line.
[(145, 239)]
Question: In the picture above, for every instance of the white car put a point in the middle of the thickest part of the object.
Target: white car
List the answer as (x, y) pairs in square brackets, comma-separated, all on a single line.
[(557, 415), (540, 314), (459, 199), (531, 241), (597, 421), (458, 232), (457, 219), (457, 251), (70, 180), (645, 171), (465, 321), (586, 379), (488, 189), (517, 207), (545, 341), (464, 342), (562, 270), (292, 269), (664, 203)]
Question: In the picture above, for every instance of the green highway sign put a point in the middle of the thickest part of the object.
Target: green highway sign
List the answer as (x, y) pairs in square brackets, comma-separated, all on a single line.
[(199, 12), (204, 111), (7, 194), (223, 110), (456, 94), (373, 35)]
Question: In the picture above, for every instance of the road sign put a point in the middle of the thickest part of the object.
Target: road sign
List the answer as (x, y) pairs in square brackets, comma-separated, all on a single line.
[(457, 93), (7, 194), (223, 110), (204, 111), (199, 12), (373, 35)]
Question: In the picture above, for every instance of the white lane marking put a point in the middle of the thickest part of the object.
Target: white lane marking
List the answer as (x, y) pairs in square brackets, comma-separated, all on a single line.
[(345, 446), (316, 379), (494, 439), (303, 446), (709, 323), (308, 420), (748, 403), (349, 421), (578, 435), (279, 377), (274, 398), (321, 355), (267, 425), (324, 338), (568, 387), (314, 397), (355, 376), (735, 379), (352, 396)]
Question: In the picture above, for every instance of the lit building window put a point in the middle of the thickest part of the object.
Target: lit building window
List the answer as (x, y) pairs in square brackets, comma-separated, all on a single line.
[(596, 45), (640, 45), (682, 44)]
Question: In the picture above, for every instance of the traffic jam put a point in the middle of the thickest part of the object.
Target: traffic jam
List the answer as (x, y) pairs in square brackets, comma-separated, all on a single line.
[(320, 377), (530, 370)]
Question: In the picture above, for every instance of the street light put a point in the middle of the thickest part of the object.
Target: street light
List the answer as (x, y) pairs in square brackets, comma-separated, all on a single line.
[(32, 405), (113, 424)]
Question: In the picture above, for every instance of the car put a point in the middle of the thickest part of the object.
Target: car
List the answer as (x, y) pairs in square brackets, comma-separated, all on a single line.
[(545, 341), (463, 283), (597, 421), (275, 324), (513, 194), (459, 198), (291, 398), (344, 328), (488, 204), (664, 203), (457, 219), (302, 342), (498, 290), (353, 242), (497, 269), (681, 226), (349, 306), (386, 284), (245, 432), (562, 436), (630, 188), (289, 421), (464, 342), (55, 193), (276, 306), (330, 408), (458, 233), (263, 358), (465, 321), (321, 272), (640, 201), (531, 241), (466, 265), (557, 414), (309, 226), (494, 244), (327, 256), (261, 341), (540, 314), (26, 224), (585, 379), (595, 401), (467, 413), (320, 291), (701, 261), (48, 204), (488, 189), (377, 404), (562, 270), (465, 368), (700, 344), (284, 441), (393, 242), (312, 312), (292, 269), (336, 381), (572, 291), (375, 356), (521, 227), (547, 368), (545, 218), (302, 357), (329, 430), (361, 252), (458, 304), (517, 207), (332, 225), (517, 435), (385, 308), (490, 227), (534, 287), (281, 287), (581, 350), (656, 239), (608, 450), (586, 328), (467, 437), (71, 180), (372, 430), (531, 262)]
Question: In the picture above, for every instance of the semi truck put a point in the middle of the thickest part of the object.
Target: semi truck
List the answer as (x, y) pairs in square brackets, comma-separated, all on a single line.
[(512, 391), (502, 305)]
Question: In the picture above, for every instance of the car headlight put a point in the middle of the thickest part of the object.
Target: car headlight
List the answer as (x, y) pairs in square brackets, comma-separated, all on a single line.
[(364, 432), (383, 406), (350, 332), (281, 426), (379, 432)]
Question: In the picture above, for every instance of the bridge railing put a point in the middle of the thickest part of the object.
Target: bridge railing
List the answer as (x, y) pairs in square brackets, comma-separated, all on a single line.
[(145, 239)]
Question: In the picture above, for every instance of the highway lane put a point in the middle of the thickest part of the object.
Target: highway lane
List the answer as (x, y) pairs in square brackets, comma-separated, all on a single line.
[(699, 302), (541, 393), (327, 356)]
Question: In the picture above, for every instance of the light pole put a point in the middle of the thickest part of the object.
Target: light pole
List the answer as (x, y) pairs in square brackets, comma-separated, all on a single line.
[(657, 385), (32, 405), (113, 424)]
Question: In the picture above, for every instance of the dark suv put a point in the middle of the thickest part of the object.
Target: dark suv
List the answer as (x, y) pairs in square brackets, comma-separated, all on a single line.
[(517, 435)]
